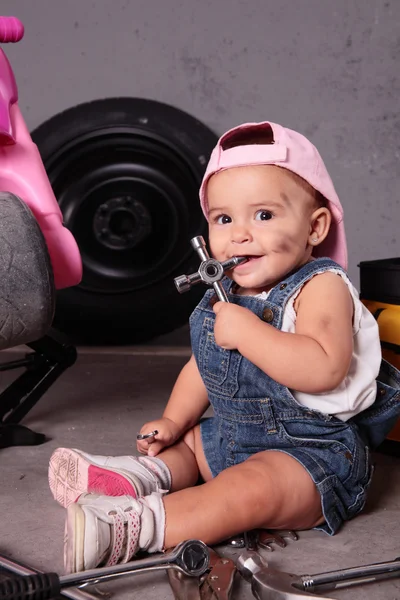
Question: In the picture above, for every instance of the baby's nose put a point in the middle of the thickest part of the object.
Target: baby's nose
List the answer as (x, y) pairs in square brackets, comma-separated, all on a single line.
[(240, 234)]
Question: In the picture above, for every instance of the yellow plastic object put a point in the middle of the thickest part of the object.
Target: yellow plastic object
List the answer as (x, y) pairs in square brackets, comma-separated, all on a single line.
[(388, 319)]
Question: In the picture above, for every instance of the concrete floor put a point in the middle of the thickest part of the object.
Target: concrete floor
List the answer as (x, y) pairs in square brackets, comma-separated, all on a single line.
[(98, 406)]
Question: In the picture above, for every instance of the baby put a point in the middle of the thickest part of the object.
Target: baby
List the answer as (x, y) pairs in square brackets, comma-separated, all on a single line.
[(289, 366)]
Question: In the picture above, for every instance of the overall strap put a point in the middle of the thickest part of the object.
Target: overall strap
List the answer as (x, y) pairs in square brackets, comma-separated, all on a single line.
[(281, 293)]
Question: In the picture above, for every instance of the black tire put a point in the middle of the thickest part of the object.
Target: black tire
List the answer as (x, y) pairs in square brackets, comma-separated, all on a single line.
[(27, 294), (126, 173)]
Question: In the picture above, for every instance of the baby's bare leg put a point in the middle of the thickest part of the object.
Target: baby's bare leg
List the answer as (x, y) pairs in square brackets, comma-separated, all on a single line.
[(270, 490)]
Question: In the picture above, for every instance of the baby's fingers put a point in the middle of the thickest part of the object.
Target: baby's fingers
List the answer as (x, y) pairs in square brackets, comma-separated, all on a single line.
[(145, 443), (142, 446), (155, 448)]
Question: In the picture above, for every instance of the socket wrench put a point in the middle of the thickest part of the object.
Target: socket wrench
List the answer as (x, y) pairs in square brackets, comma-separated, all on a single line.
[(190, 557)]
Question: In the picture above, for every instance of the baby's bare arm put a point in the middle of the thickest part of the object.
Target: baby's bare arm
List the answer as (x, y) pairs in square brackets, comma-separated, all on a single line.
[(187, 403), (189, 398), (317, 357)]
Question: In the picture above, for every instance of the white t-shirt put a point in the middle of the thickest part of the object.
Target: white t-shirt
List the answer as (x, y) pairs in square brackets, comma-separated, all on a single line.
[(358, 389)]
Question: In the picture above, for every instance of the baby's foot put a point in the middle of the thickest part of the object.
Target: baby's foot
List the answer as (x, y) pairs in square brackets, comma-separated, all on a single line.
[(73, 472), (101, 530)]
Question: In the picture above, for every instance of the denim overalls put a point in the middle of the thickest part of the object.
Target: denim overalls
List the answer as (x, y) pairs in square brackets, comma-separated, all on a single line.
[(255, 413)]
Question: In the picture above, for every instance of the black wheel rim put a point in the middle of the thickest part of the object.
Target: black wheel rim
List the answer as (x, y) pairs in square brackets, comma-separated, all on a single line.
[(130, 198)]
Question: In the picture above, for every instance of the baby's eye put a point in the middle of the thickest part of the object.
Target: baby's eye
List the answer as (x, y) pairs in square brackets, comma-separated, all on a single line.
[(223, 220), (263, 215)]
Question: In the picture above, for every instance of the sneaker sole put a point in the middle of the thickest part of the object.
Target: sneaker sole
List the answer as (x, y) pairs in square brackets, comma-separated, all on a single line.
[(74, 538), (71, 474)]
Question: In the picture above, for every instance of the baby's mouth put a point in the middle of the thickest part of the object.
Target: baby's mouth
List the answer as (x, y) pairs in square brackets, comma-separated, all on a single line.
[(249, 259)]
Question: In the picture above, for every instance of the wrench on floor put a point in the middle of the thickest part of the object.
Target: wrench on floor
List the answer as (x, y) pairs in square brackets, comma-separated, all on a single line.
[(270, 584), (262, 538), (190, 557), (13, 567)]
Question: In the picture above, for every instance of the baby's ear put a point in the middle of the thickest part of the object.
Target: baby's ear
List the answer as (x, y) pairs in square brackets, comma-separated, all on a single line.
[(320, 223)]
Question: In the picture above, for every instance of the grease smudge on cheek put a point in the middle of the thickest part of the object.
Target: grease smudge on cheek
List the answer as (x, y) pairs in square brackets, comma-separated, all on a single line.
[(281, 244), (285, 243)]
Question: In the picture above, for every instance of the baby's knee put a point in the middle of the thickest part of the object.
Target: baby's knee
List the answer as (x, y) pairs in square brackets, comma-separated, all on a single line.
[(190, 437)]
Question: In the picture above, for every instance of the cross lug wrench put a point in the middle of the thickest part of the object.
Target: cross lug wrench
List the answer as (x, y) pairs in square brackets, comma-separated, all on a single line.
[(210, 272)]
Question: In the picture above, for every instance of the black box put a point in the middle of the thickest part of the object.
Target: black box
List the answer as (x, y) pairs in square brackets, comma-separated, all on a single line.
[(380, 280)]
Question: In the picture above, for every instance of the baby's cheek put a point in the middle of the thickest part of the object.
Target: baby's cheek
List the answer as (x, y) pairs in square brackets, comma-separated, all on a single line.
[(215, 246)]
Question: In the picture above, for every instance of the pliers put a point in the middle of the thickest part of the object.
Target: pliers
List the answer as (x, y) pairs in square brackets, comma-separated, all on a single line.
[(216, 584)]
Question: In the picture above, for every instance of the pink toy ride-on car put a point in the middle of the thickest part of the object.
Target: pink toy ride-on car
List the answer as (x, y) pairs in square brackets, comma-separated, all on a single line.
[(38, 256)]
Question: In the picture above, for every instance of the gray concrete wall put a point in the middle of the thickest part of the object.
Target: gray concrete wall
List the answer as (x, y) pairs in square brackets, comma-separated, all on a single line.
[(329, 68)]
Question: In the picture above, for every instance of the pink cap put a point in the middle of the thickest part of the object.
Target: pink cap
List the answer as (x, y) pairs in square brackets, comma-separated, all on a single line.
[(294, 152)]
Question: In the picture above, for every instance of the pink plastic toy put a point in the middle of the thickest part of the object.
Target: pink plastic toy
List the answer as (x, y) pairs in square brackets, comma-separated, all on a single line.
[(22, 171)]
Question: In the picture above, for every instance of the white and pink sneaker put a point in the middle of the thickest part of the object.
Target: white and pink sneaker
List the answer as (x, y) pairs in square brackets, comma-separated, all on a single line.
[(73, 472), (105, 531)]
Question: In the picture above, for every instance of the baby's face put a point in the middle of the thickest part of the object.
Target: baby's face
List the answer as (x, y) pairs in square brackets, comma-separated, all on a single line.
[(263, 213)]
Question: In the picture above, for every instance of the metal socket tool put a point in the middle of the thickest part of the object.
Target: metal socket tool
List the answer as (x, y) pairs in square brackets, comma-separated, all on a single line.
[(146, 436)]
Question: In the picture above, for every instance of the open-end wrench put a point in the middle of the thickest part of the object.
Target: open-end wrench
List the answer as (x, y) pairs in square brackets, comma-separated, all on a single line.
[(265, 538), (190, 557), (210, 272), (270, 584), (262, 538)]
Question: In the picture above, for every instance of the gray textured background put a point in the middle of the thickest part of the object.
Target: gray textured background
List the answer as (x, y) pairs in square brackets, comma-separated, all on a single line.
[(329, 69)]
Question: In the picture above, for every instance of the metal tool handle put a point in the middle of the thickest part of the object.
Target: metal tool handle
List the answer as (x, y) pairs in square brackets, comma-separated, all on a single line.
[(17, 568), (265, 580), (334, 580), (44, 586), (31, 587), (146, 436), (191, 557), (210, 272)]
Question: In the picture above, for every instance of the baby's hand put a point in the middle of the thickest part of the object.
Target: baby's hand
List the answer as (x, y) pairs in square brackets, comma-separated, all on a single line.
[(231, 323), (167, 434)]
